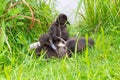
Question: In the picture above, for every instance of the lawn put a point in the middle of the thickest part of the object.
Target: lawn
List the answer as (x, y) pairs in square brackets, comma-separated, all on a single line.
[(19, 28)]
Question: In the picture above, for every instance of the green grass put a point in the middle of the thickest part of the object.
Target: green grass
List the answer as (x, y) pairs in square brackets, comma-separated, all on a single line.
[(102, 62)]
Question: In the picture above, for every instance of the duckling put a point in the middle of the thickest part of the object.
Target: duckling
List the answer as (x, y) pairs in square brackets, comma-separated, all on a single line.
[(59, 28), (81, 44)]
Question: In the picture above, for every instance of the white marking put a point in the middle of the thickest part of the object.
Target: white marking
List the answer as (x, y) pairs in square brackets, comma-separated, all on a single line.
[(61, 44), (52, 45), (62, 40), (35, 45)]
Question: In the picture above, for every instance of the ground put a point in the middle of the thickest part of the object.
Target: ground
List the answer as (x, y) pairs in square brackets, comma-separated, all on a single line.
[(102, 62)]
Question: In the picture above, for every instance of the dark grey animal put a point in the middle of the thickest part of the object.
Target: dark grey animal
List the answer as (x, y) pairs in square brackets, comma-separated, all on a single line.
[(50, 42), (63, 48), (44, 40), (51, 50), (81, 44), (56, 42), (59, 29)]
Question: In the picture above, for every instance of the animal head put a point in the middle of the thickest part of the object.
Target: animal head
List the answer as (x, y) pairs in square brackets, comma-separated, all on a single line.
[(62, 49), (62, 19), (44, 39)]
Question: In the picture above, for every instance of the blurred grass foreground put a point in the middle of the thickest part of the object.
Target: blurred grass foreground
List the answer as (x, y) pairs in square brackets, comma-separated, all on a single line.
[(23, 21)]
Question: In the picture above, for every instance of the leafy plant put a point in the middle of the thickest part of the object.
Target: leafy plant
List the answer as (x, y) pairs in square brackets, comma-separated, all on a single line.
[(100, 13)]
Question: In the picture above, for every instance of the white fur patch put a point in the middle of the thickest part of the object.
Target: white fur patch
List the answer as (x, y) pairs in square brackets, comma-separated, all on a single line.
[(61, 44), (34, 45)]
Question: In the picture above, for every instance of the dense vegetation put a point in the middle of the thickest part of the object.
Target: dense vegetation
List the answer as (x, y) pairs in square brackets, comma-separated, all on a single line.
[(21, 23)]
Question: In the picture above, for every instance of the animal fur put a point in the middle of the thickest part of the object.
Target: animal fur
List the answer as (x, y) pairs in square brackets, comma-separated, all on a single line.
[(81, 44), (50, 42), (35, 45), (59, 51), (59, 28), (63, 48), (56, 42)]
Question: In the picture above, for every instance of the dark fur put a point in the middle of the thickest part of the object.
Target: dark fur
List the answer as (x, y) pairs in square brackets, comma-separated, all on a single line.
[(62, 51), (50, 52), (44, 41), (81, 45), (59, 29)]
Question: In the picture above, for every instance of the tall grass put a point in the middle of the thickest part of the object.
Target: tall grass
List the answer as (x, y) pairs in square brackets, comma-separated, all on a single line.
[(101, 13), (99, 63), (15, 36)]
